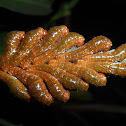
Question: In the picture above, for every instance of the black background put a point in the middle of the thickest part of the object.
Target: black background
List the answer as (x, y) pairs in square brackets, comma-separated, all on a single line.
[(108, 105)]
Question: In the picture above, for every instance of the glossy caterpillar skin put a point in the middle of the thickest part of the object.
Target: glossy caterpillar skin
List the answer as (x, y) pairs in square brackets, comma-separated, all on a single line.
[(53, 35), (29, 41), (117, 55), (88, 74), (105, 67), (12, 40), (35, 84), (23, 50), (62, 46), (68, 80), (99, 43), (55, 87), (15, 86)]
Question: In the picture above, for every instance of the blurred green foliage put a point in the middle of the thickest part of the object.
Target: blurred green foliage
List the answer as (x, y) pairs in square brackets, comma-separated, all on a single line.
[(30, 7), (2, 43), (64, 10), (38, 8)]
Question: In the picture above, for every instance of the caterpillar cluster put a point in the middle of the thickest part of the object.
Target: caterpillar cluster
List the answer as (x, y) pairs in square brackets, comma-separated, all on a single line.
[(39, 59)]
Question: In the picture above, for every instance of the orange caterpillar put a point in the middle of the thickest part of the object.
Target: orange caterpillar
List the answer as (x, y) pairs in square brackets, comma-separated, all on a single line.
[(12, 40), (29, 41), (35, 84), (62, 46), (39, 46), (53, 35), (117, 55), (105, 67), (99, 43), (88, 74), (68, 80), (55, 87), (15, 86)]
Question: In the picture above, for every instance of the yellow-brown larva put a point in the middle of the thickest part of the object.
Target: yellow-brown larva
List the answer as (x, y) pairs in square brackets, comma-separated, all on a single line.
[(12, 41), (15, 86), (68, 41), (24, 65), (114, 56), (68, 80), (55, 87), (53, 35), (99, 43), (35, 84), (30, 39), (87, 74), (105, 67)]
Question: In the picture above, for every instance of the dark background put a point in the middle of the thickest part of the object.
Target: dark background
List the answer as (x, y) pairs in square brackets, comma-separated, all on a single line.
[(98, 106)]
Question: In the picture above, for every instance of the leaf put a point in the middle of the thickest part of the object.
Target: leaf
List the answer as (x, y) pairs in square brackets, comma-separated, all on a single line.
[(64, 10), (30, 7)]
